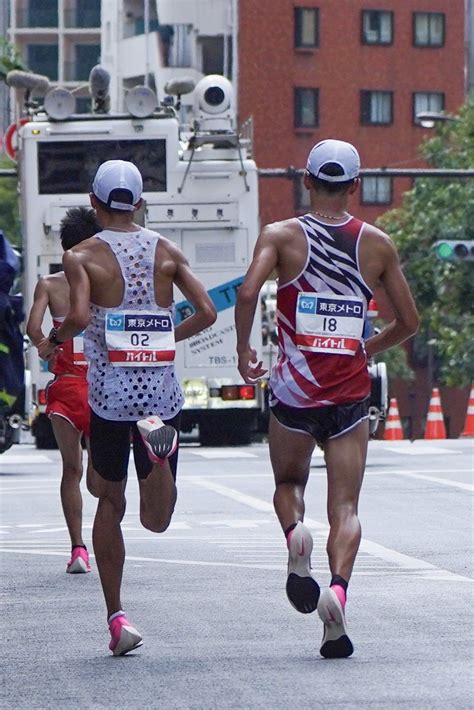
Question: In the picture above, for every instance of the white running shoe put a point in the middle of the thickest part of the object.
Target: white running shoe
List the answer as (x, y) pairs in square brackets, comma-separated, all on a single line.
[(160, 439), (336, 642), (301, 589)]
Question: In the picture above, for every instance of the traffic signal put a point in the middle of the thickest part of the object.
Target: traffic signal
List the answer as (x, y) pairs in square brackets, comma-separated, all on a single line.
[(454, 249)]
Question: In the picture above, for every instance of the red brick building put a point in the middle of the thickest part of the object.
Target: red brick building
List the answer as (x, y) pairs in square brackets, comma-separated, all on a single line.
[(351, 69), (358, 70)]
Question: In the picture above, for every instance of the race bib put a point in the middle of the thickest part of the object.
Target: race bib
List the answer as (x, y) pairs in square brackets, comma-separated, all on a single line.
[(328, 323), (139, 338), (78, 349)]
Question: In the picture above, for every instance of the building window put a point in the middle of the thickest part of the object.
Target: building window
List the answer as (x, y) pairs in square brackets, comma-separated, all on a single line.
[(153, 25), (376, 190), (302, 196), (306, 27), (306, 108), (376, 108), (83, 104), (377, 27), (43, 14), (428, 29), (427, 101), (216, 55), (87, 56), (43, 59)]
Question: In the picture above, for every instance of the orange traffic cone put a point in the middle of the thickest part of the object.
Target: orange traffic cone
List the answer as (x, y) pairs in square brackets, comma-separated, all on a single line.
[(435, 423), (469, 423), (393, 427)]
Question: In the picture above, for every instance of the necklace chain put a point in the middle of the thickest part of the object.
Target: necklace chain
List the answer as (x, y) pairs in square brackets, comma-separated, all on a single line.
[(328, 216)]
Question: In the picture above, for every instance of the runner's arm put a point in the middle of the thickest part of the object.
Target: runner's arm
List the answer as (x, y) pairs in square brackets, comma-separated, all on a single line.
[(38, 309), (193, 290), (406, 320), (265, 260), (78, 317), (80, 290)]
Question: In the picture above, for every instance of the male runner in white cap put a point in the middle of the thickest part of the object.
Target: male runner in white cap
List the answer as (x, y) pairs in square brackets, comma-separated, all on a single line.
[(328, 264), (121, 285)]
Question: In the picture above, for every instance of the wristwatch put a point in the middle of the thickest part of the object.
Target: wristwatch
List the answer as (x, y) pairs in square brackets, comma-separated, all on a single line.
[(53, 337)]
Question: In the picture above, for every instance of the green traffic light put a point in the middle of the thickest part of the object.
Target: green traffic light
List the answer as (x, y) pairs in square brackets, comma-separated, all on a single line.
[(444, 250)]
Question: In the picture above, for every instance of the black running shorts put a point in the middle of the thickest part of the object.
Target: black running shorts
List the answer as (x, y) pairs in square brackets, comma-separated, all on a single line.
[(322, 423), (110, 448)]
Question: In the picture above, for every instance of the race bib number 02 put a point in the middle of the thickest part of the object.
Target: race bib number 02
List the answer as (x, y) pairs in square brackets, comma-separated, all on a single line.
[(328, 323), (139, 338)]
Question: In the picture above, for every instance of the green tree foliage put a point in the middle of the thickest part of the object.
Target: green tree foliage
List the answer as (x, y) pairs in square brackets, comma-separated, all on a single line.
[(9, 212), (438, 208), (10, 58)]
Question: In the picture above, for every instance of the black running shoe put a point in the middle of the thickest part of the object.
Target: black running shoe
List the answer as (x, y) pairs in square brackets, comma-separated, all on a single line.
[(160, 439)]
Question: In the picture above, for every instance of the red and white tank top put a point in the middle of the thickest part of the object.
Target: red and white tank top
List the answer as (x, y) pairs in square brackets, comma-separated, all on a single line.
[(70, 359), (320, 316)]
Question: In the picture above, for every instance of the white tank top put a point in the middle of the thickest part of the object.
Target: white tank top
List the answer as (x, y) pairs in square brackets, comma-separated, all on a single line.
[(130, 393)]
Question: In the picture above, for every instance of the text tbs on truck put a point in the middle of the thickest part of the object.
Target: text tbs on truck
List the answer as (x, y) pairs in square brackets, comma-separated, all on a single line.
[(200, 191)]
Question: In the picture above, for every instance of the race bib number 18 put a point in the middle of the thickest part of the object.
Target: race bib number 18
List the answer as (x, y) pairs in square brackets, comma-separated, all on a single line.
[(328, 323), (140, 338)]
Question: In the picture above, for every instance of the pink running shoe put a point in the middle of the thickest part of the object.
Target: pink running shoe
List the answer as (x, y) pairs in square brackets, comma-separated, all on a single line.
[(79, 562), (336, 642), (160, 439), (302, 589), (124, 636)]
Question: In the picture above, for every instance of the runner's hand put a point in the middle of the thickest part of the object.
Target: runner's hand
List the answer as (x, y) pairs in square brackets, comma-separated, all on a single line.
[(250, 369), (46, 349)]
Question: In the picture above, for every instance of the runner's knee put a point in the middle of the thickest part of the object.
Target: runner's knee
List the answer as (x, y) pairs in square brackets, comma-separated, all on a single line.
[(341, 510), (156, 523), (112, 503), (291, 478), (71, 472)]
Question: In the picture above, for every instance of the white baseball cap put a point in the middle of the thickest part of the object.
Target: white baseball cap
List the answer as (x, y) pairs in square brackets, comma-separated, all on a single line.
[(336, 152), (118, 184)]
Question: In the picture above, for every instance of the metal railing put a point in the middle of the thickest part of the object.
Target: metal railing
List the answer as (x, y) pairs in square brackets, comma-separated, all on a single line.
[(246, 135), (291, 173)]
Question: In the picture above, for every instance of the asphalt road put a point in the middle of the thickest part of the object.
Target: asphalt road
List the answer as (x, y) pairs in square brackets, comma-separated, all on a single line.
[(208, 595)]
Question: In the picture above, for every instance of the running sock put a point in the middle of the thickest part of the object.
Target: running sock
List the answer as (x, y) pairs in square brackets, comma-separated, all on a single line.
[(115, 615), (290, 528), (83, 547), (336, 579), (339, 587)]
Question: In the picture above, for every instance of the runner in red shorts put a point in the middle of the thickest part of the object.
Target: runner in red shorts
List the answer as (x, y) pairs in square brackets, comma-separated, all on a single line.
[(67, 404)]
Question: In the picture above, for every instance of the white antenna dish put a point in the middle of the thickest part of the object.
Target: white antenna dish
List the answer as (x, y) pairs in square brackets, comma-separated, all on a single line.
[(59, 104), (140, 101)]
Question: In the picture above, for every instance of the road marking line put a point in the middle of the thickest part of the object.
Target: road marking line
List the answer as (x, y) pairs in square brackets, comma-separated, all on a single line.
[(223, 454), (7, 460), (372, 548), (434, 479), (238, 474), (433, 575), (415, 449)]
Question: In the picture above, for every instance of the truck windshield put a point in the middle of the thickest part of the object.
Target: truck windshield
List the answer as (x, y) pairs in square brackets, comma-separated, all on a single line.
[(69, 166)]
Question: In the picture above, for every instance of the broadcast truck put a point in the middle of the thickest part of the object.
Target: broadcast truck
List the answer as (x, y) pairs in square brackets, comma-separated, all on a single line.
[(200, 191)]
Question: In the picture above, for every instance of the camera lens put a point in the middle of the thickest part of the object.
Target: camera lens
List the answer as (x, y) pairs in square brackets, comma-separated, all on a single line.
[(214, 96)]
